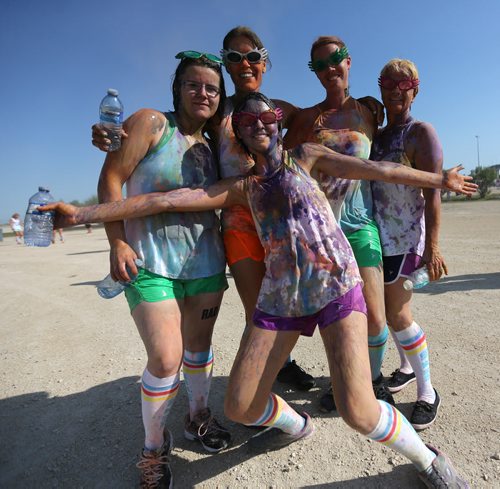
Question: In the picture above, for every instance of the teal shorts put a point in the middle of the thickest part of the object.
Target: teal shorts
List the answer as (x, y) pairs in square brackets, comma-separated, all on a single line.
[(150, 287), (365, 243)]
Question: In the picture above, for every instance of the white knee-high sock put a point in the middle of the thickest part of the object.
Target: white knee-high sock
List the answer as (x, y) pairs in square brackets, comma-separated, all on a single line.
[(158, 396), (376, 349), (197, 369), (414, 343), (394, 431), (404, 364)]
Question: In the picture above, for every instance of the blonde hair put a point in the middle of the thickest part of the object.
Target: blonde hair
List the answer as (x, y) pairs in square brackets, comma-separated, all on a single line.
[(401, 66)]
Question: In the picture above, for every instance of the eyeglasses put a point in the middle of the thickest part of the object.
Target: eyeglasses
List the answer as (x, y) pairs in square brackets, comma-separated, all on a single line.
[(197, 55), (390, 84), (334, 59), (194, 87), (253, 56), (248, 119)]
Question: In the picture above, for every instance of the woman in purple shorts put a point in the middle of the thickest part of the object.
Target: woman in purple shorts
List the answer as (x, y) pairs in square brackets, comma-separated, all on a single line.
[(408, 219), (311, 278)]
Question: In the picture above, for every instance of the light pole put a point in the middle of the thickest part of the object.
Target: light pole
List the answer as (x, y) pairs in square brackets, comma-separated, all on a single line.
[(477, 144)]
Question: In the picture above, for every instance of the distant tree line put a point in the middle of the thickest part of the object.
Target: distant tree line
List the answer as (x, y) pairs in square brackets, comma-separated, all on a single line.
[(90, 201)]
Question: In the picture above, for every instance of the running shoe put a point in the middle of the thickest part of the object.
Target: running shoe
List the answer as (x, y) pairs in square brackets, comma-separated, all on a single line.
[(205, 428), (327, 402), (399, 380), (424, 413), (441, 473), (296, 376), (272, 439), (155, 466), (380, 390)]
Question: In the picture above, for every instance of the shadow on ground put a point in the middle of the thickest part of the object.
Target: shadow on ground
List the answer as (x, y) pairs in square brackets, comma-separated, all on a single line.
[(479, 281)]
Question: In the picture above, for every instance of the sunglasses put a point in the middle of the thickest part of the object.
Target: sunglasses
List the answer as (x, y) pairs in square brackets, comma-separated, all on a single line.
[(197, 55), (390, 84), (194, 87), (333, 60), (253, 56), (248, 119)]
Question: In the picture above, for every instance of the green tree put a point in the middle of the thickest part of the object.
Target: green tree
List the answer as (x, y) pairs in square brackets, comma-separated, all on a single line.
[(484, 177)]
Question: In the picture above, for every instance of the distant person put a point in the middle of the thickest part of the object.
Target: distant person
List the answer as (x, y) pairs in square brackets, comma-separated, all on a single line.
[(57, 231), (17, 227)]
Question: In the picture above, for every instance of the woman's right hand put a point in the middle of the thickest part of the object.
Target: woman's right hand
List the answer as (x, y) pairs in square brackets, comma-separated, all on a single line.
[(122, 256), (100, 137)]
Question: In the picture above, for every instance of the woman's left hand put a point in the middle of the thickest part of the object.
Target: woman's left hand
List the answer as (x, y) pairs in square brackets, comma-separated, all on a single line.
[(462, 184), (435, 263)]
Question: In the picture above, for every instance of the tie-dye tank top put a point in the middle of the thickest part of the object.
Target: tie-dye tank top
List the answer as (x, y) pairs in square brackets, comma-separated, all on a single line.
[(176, 245), (308, 260), (347, 131), (233, 161), (398, 209)]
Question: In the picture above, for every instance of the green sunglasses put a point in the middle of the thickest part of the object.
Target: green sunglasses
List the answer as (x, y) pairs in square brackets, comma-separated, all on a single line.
[(333, 60), (197, 55)]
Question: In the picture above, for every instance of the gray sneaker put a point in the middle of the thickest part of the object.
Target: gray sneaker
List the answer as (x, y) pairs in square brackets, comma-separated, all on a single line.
[(442, 474), (205, 428), (272, 439)]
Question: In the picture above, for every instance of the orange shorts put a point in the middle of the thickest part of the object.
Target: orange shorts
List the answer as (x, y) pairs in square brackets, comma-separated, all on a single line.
[(240, 236)]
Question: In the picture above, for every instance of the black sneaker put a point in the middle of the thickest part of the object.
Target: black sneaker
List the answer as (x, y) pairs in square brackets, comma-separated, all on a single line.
[(327, 402), (441, 473), (205, 428), (424, 413), (296, 376), (155, 466), (380, 390), (399, 380), (273, 438)]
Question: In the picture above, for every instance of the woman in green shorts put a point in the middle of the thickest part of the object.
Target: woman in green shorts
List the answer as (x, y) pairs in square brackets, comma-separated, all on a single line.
[(346, 126)]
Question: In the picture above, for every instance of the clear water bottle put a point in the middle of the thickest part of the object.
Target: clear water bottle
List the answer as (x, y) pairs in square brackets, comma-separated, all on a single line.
[(107, 288), (418, 279), (111, 116), (38, 225)]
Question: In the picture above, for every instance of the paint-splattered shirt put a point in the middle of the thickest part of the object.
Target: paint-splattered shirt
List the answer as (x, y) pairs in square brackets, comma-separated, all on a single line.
[(176, 245), (398, 209), (308, 260), (348, 131), (233, 161)]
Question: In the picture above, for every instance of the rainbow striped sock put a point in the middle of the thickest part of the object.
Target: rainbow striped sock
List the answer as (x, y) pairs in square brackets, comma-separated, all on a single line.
[(413, 342), (279, 414), (157, 396), (376, 349), (394, 431), (197, 369)]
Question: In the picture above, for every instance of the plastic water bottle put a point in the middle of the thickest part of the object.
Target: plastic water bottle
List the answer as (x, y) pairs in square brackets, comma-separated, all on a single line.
[(38, 225), (418, 279), (111, 116), (107, 288)]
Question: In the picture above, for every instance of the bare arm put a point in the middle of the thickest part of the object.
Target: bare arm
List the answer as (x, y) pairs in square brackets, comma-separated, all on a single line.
[(145, 128), (424, 150), (224, 193), (311, 155), (299, 127), (289, 111)]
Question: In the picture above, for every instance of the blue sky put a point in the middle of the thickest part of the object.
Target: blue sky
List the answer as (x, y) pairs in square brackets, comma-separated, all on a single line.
[(60, 56)]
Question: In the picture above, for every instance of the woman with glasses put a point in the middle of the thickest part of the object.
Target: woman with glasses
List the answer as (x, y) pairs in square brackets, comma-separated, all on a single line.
[(346, 126), (246, 60), (409, 221), (175, 296), (311, 279)]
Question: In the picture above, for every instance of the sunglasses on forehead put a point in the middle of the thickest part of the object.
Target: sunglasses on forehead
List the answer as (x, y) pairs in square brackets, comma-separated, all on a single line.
[(334, 59), (254, 56), (247, 119), (197, 55), (390, 84)]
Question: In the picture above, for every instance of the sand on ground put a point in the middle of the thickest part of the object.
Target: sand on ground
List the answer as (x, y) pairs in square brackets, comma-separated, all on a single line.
[(71, 361)]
